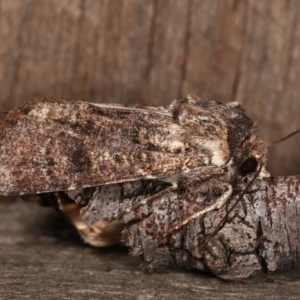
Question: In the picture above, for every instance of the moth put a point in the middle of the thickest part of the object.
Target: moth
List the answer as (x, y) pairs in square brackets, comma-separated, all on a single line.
[(68, 152)]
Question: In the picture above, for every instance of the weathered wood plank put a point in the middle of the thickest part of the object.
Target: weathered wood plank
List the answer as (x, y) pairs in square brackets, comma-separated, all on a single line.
[(40, 259), (142, 51)]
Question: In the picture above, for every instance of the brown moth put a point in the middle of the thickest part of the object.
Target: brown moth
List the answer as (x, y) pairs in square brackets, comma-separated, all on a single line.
[(57, 146)]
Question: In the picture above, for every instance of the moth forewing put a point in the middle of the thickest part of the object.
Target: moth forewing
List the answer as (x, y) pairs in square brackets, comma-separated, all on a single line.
[(51, 146), (60, 145), (54, 145)]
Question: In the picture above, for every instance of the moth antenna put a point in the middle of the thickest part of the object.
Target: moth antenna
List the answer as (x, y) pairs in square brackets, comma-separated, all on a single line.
[(286, 137), (221, 224)]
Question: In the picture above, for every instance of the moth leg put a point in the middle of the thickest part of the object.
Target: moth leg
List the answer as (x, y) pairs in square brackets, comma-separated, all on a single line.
[(145, 201), (101, 234), (217, 205)]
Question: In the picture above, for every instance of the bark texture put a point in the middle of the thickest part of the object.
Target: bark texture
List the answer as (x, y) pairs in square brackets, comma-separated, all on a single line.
[(153, 51), (261, 234), (256, 234), (40, 258)]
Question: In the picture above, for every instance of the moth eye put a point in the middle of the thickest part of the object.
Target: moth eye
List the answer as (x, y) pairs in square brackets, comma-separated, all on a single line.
[(248, 166)]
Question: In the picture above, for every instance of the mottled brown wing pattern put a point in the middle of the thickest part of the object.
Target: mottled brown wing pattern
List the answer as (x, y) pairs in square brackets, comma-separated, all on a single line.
[(56, 145), (59, 145)]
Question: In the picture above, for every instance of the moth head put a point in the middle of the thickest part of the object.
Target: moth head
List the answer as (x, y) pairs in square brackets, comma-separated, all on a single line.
[(248, 152), (248, 166), (251, 155), (248, 160), (224, 130), (252, 165)]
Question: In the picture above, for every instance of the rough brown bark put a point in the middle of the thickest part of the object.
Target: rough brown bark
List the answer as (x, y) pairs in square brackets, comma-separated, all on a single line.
[(40, 258), (256, 234), (153, 51), (261, 234)]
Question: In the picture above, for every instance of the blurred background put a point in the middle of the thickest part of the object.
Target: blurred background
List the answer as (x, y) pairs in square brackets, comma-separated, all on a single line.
[(153, 51)]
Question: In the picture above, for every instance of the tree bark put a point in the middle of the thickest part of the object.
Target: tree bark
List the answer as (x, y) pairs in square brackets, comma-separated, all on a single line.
[(40, 257), (255, 234)]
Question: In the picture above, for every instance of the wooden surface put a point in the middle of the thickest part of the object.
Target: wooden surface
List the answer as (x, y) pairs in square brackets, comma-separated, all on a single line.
[(142, 51), (156, 50), (40, 258)]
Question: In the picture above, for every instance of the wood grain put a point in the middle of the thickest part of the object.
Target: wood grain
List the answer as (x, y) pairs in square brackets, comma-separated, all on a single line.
[(143, 51), (41, 259)]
